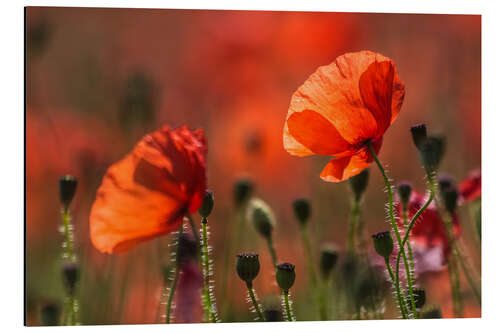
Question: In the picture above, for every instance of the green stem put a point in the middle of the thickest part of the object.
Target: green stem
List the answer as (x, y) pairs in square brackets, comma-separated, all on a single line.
[(172, 293), (193, 228), (409, 275), (453, 268), (402, 307), (470, 280), (272, 251), (351, 246), (70, 317), (312, 272), (288, 307), (256, 305), (392, 219), (210, 309)]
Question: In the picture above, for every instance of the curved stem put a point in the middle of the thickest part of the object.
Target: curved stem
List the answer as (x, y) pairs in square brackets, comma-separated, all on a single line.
[(256, 305), (465, 269), (402, 307), (272, 251), (193, 228), (392, 219), (409, 275)]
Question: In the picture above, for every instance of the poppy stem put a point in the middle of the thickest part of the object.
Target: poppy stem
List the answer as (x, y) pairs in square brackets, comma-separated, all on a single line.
[(71, 304), (255, 303), (393, 222), (286, 302), (272, 251), (193, 228), (353, 225), (209, 298), (171, 292), (402, 307), (409, 275), (312, 272)]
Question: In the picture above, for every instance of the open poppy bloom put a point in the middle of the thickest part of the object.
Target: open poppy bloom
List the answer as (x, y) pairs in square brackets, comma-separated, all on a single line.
[(148, 193), (340, 108), (470, 188), (429, 230)]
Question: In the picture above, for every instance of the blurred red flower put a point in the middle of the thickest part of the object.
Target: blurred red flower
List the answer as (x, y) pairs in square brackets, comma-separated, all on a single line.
[(147, 193), (470, 188), (340, 107), (429, 230)]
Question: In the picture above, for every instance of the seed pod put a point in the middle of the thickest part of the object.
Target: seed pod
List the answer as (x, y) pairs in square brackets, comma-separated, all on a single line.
[(247, 266), (71, 274), (419, 135), (383, 243), (207, 205), (243, 189), (50, 314), (67, 189), (359, 183), (328, 260), (404, 192), (261, 216), (302, 210), (285, 275)]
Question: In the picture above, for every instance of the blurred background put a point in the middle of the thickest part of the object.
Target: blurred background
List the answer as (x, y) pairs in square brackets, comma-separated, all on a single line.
[(97, 80)]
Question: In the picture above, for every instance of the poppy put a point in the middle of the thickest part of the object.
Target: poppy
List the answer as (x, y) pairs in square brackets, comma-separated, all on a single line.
[(429, 230), (340, 108), (470, 188), (148, 193)]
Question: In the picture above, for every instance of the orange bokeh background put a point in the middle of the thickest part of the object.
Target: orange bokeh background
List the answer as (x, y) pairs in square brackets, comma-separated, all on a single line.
[(99, 79)]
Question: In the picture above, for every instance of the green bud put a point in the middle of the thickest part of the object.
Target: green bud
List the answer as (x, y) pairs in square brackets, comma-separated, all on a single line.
[(450, 199), (261, 216), (328, 259), (302, 210), (359, 183), (71, 274), (383, 243), (207, 205), (50, 314), (187, 248), (242, 191), (432, 152), (285, 275), (419, 135), (445, 182), (247, 266), (433, 312), (67, 189), (404, 192)]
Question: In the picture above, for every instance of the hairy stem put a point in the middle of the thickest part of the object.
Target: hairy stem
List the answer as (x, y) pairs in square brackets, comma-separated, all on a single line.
[(287, 306), (209, 297), (256, 304), (392, 220)]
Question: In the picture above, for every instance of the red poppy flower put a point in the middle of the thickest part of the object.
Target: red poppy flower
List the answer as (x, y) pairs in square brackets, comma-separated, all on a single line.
[(470, 188), (429, 230), (340, 107), (148, 193)]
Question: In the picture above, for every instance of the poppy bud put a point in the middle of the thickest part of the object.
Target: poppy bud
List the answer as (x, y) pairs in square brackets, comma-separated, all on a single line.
[(50, 314), (359, 183), (243, 189), (247, 266), (302, 210), (433, 312), (384, 245), (261, 216), (445, 181), (404, 192), (273, 314), (71, 274), (419, 135), (67, 189), (187, 248), (285, 275), (431, 152), (272, 308), (418, 297), (328, 260), (207, 205), (450, 199)]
